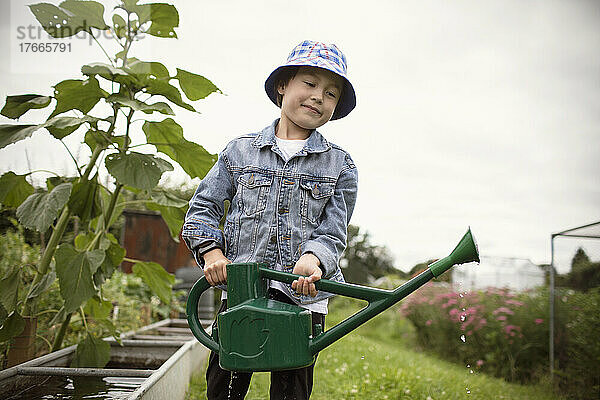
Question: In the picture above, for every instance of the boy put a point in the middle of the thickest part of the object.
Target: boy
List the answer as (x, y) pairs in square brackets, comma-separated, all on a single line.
[(291, 196)]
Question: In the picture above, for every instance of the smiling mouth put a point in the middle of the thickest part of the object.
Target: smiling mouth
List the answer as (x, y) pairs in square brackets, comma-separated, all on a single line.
[(314, 110)]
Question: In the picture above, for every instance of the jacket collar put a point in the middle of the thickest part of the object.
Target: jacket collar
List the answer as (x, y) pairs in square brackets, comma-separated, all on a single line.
[(316, 143)]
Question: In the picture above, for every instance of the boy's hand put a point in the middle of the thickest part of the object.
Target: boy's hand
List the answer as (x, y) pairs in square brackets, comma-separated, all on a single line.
[(307, 265), (214, 267)]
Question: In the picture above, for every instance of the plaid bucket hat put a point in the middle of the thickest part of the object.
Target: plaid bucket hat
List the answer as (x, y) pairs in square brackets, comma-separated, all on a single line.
[(320, 55)]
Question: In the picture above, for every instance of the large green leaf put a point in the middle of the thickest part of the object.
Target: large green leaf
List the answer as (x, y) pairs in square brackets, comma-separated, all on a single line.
[(54, 181), (163, 88), (9, 289), (86, 13), (75, 270), (114, 257), (92, 352), (114, 252), (168, 198), (82, 240), (14, 189), (54, 20), (107, 71), (61, 127), (43, 285), (147, 68), (96, 137), (85, 199), (97, 308), (157, 279), (164, 18), (167, 136), (18, 105), (70, 18), (119, 26), (195, 86), (10, 134), (13, 326), (137, 105), (3, 314), (173, 216), (39, 210), (77, 94), (136, 169)]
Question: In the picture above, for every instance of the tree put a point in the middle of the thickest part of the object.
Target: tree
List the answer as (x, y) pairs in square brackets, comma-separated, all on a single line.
[(362, 260), (124, 86), (584, 274)]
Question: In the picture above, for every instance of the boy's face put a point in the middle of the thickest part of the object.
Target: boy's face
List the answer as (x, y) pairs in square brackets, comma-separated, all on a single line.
[(310, 97)]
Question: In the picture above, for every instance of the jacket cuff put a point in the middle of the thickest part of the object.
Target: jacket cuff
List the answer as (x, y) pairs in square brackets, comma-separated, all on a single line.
[(327, 259), (200, 238)]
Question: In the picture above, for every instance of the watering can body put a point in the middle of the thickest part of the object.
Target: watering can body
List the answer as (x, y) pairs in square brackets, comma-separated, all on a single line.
[(264, 335), (256, 333)]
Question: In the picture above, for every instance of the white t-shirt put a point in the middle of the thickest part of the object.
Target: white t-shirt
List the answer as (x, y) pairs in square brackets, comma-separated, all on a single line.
[(289, 147)]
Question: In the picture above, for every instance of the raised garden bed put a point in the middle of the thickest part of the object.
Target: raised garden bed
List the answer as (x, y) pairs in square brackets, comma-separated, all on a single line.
[(154, 362)]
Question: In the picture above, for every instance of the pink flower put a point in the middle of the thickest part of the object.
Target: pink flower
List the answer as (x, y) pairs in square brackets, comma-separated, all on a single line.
[(512, 329), (501, 318), (538, 321), (469, 333), (480, 363), (428, 322), (503, 310), (449, 303)]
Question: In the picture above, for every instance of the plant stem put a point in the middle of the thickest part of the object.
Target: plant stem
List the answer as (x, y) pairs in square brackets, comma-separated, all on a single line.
[(89, 31), (72, 157), (83, 318), (45, 340), (111, 207), (29, 307), (60, 335), (57, 233)]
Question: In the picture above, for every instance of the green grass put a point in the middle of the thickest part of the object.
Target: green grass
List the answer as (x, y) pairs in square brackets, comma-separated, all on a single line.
[(379, 361)]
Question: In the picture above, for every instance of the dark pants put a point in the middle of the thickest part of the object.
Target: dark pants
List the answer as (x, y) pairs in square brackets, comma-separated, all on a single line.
[(293, 384)]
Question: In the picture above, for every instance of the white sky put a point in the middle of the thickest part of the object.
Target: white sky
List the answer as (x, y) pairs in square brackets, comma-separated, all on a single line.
[(480, 113)]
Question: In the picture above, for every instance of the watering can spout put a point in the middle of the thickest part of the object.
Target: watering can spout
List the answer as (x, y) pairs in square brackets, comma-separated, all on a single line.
[(465, 251), (251, 329)]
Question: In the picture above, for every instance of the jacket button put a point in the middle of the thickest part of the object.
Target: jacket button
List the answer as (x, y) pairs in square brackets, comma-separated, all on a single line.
[(273, 239), (315, 190)]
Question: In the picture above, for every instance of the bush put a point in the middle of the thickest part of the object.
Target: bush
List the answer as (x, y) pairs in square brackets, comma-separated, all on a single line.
[(579, 356), (506, 334), (493, 331)]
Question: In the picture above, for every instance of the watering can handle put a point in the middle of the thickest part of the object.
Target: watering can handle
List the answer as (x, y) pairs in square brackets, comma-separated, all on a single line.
[(192, 314)]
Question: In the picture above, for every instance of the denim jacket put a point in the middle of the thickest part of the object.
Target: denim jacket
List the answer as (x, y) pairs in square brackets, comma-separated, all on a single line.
[(278, 210)]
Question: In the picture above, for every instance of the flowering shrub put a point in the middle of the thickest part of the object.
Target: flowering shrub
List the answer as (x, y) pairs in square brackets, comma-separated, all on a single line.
[(495, 331)]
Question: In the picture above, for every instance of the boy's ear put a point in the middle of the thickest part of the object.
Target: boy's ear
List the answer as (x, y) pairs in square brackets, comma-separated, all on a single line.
[(281, 88)]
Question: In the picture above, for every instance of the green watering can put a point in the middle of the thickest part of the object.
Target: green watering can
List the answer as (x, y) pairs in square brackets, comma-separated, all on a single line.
[(256, 333)]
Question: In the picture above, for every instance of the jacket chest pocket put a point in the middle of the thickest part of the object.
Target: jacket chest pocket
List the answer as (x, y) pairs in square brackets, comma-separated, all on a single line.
[(314, 197), (254, 189)]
